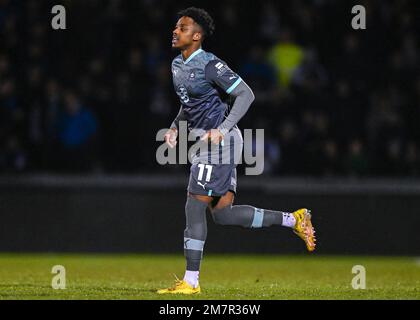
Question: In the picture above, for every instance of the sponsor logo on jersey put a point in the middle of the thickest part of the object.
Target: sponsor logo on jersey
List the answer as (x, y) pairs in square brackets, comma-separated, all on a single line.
[(183, 94), (221, 69)]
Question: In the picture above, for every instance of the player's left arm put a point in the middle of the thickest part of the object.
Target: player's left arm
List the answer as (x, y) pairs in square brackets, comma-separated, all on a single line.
[(220, 74), (243, 99)]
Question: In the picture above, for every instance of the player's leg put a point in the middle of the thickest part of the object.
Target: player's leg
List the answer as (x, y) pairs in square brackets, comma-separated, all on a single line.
[(225, 213), (195, 232), (195, 235)]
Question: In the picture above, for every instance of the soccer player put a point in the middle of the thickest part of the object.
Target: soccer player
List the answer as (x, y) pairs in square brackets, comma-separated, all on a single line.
[(202, 81)]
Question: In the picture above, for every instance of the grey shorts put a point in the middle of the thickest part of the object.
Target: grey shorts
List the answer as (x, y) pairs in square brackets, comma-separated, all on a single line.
[(215, 178)]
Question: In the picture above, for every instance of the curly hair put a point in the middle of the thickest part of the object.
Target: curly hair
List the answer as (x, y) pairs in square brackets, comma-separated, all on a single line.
[(201, 17)]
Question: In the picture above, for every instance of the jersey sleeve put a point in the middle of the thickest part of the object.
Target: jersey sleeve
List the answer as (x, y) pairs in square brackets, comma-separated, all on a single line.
[(218, 73)]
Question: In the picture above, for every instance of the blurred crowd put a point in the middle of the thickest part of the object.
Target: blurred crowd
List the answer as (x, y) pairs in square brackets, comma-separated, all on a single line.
[(333, 101)]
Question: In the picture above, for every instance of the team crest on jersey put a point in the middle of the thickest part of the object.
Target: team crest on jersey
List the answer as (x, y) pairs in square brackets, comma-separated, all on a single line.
[(192, 75)]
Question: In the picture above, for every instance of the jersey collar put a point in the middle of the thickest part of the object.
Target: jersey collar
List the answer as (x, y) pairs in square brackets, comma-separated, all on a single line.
[(192, 55)]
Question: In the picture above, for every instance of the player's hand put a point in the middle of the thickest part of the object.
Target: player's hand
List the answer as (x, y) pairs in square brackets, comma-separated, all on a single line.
[(170, 137), (213, 135)]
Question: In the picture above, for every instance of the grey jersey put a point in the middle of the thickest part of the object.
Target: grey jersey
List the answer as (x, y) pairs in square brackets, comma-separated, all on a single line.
[(200, 82)]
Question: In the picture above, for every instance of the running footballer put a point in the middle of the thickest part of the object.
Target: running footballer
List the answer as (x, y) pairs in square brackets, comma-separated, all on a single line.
[(201, 81)]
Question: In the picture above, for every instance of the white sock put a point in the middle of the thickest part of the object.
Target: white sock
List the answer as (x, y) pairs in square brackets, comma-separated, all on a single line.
[(192, 277), (288, 220)]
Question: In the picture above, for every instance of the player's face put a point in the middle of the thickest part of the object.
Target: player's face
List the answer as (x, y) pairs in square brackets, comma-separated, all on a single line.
[(186, 32)]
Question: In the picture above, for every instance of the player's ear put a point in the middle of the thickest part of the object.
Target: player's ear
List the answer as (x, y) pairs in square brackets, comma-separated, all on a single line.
[(197, 36)]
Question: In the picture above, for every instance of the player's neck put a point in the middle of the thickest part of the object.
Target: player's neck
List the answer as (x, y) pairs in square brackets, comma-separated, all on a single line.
[(189, 51)]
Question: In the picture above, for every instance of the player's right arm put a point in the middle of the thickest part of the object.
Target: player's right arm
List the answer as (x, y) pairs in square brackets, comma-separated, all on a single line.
[(172, 134)]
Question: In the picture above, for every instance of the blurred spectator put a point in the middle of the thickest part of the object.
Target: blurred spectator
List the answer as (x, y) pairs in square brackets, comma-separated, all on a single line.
[(330, 158), (392, 162), (286, 56), (270, 21), (12, 156), (357, 163), (256, 70), (76, 128), (290, 151), (310, 74)]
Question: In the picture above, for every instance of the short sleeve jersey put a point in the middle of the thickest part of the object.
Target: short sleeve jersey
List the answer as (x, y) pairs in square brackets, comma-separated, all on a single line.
[(200, 83)]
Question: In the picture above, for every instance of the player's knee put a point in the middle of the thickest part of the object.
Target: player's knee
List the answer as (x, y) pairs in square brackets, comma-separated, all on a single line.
[(222, 216), (196, 230)]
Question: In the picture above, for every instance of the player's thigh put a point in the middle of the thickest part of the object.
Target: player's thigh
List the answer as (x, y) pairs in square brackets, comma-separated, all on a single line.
[(223, 201), (205, 199)]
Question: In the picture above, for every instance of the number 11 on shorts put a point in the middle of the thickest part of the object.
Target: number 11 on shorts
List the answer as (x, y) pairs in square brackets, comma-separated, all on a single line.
[(209, 169)]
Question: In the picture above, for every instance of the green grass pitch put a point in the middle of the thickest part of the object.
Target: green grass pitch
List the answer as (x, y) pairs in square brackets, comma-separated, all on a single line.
[(266, 277)]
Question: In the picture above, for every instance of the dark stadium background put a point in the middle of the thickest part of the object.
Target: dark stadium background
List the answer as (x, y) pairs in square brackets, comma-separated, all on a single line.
[(341, 129)]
